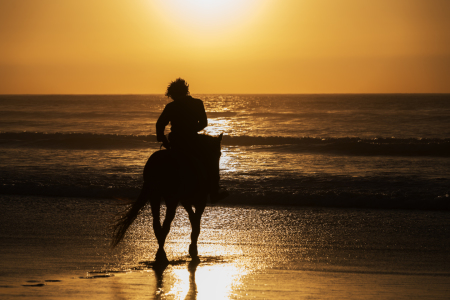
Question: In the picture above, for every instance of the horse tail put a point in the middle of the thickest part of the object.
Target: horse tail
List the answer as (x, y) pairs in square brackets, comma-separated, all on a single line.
[(129, 215)]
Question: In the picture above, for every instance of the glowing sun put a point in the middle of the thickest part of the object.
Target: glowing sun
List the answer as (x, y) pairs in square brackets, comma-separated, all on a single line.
[(210, 15)]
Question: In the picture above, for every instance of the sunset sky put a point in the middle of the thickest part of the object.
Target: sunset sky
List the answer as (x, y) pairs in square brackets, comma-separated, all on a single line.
[(233, 46)]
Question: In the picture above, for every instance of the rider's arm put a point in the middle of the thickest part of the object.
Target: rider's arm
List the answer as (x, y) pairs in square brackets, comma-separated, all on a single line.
[(203, 120)]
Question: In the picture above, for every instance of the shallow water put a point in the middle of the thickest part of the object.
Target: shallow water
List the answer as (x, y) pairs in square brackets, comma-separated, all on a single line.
[(245, 251)]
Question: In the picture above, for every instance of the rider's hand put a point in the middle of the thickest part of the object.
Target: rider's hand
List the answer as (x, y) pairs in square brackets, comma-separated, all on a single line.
[(163, 139), (166, 144)]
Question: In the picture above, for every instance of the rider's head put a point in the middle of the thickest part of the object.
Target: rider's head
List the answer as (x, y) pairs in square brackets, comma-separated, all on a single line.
[(177, 89)]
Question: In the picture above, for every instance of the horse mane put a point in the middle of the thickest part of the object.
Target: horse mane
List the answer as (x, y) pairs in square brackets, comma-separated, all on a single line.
[(208, 141)]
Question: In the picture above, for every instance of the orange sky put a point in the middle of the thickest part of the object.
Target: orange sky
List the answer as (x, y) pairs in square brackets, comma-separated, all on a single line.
[(233, 46)]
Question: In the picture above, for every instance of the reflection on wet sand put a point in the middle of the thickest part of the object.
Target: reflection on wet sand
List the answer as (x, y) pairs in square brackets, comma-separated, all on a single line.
[(210, 278)]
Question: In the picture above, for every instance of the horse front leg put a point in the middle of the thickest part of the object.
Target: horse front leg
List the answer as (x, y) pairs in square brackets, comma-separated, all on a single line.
[(195, 218)]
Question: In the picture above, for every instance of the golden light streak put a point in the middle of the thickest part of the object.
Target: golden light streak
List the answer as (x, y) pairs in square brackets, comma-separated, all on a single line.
[(208, 282)]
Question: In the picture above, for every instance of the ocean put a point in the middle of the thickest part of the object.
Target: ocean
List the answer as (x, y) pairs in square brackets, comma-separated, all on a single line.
[(357, 150), (331, 197)]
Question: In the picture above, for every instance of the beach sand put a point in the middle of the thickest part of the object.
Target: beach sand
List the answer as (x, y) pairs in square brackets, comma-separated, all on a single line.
[(218, 281), (57, 248)]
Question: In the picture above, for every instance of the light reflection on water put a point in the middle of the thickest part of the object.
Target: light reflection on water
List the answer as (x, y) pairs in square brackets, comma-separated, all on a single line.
[(273, 236), (215, 281), (239, 244), (218, 126)]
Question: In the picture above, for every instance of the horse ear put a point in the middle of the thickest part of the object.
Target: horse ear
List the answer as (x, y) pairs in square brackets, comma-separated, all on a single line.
[(220, 136)]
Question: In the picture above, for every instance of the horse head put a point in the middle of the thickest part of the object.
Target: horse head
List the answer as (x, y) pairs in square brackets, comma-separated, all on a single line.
[(210, 142)]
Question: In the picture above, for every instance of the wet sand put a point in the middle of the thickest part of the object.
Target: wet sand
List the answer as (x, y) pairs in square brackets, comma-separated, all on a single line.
[(228, 281), (57, 248)]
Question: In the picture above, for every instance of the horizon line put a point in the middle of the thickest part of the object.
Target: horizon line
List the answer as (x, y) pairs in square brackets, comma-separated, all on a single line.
[(162, 94)]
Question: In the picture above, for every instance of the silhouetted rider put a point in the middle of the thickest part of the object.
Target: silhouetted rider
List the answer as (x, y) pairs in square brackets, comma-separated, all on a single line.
[(187, 117)]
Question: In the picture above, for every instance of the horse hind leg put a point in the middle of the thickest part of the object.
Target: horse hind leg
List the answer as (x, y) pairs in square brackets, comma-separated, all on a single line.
[(155, 204)]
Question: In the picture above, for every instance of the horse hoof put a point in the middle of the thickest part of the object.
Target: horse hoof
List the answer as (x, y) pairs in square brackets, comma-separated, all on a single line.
[(195, 260), (161, 257)]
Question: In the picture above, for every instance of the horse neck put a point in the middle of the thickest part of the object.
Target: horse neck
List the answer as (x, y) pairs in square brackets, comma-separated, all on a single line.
[(208, 142)]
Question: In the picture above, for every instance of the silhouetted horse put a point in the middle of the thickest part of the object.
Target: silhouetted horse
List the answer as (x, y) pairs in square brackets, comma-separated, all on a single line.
[(175, 177)]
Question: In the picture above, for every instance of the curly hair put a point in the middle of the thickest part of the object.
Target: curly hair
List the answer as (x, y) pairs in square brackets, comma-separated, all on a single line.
[(177, 88)]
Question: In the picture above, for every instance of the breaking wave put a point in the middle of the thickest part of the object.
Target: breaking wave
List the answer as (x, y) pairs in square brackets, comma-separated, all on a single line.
[(342, 146)]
